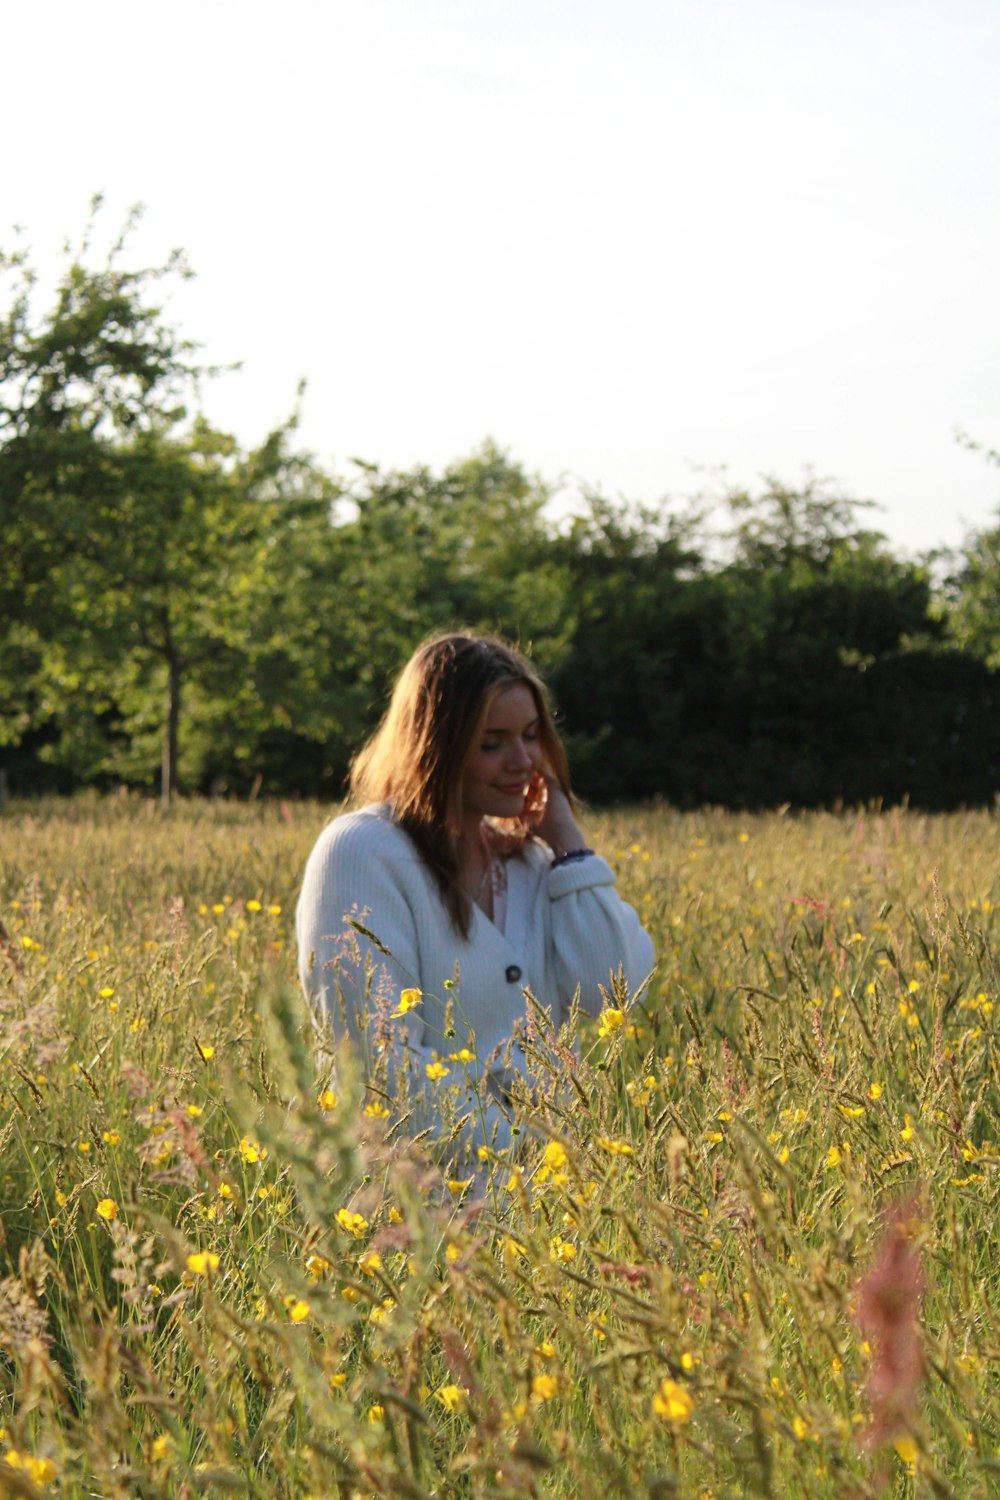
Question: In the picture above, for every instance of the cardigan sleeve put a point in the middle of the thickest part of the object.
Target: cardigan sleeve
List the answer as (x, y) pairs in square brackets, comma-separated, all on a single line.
[(594, 932), (363, 873)]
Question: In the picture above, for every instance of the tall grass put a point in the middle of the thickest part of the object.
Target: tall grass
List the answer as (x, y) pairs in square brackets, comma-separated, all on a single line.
[(731, 1206)]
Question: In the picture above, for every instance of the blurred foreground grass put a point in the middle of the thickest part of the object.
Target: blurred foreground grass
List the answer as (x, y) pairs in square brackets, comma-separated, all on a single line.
[(217, 1278)]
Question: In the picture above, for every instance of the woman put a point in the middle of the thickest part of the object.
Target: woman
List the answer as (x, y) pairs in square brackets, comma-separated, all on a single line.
[(462, 881)]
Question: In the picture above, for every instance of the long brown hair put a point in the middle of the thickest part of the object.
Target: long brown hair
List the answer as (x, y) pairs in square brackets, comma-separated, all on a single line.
[(416, 758)]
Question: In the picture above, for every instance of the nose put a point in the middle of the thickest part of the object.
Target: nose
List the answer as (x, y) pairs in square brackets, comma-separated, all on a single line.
[(521, 758)]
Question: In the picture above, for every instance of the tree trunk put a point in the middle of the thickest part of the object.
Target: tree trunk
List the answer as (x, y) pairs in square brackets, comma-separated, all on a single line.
[(168, 777)]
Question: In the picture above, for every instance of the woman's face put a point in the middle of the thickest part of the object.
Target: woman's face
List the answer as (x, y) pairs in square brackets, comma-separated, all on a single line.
[(504, 756)]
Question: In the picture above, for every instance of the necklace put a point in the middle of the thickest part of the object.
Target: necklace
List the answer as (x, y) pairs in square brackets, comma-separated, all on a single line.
[(493, 880)]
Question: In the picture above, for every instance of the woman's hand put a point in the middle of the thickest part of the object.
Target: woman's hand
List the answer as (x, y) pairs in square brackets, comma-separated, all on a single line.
[(548, 814)]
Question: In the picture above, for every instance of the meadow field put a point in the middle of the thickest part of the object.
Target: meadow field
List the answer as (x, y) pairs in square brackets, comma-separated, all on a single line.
[(747, 1245)]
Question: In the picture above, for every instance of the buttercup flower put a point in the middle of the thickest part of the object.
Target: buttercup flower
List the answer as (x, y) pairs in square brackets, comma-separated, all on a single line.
[(611, 1020), (408, 1000), (554, 1159), (452, 1397), (353, 1223), (39, 1470), (251, 1151), (202, 1263), (673, 1403)]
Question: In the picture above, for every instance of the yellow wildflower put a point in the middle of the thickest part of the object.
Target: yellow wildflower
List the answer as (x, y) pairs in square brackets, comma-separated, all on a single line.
[(561, 1250), (554, 1159), (436, 1070), (370, 1262), (617, 1148), (39, 1470), (611, 1020), (299, 1311), (353, 1223), (673, 1403), (543, 1387), (203, 1263), (251, 1151), (452, 1397), (376, 1413), (107, 1209), (327, 1101), (458, 1185), (408, 1000), (907, 1450), (253, 906)]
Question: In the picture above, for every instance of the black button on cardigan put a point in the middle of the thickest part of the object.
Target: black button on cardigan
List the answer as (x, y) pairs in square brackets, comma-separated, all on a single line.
[(512, 973)]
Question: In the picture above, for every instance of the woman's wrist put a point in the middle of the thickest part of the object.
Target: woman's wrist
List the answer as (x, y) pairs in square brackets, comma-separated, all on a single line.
[(571, 856), (565, 840)]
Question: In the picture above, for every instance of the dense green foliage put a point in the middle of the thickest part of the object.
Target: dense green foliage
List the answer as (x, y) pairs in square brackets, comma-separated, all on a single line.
[(217, 1278), (177, 610)]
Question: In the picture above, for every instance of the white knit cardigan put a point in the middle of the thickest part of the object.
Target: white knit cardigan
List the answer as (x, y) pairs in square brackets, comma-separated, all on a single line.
[(566, 929)]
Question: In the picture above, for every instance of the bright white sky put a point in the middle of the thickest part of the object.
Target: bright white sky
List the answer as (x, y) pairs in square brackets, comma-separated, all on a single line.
[(628, 239)]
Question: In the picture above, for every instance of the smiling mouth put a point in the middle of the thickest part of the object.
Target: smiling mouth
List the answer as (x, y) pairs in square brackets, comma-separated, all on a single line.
[(513, 790)]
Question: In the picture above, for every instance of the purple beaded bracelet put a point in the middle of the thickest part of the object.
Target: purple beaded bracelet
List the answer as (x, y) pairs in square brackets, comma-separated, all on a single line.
[(570, 855)]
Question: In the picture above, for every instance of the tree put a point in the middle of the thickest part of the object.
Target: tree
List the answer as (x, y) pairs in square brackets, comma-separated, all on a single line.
[(630, 573), (973, 609), (138, 536), (469, 546)]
